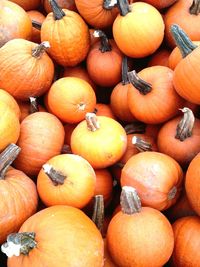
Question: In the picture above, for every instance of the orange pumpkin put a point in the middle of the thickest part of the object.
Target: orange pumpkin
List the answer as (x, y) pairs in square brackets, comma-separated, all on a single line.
[(104, 110), (68, 132), (156, 176), (160, 57), (38, 17), (138, 30), (15, 22), (61, 234), (67, 4), (10, 101), (41, 138), (67, 34), (27, 72), (135, 228), (27, 5), (160, 4), (70, 99), (100, 140)]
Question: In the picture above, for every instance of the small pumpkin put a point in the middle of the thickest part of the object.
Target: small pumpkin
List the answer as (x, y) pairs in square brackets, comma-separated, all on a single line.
[(104, 110), (160, 57), (9, 100), (160, 4), (27, 5)]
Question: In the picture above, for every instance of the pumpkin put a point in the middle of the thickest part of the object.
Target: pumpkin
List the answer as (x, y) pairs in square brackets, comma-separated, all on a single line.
[(186, 242), (9, 126), (100, 140), (67, 4), (27, 5), (157, 178), (61, 234), (160, 4), (41, 138), (67, 34), (135, 228), (138, 30), (104, 110), (192, 184), (70, 99), (18, 194), (37, 17), (97, 13), (68, 132), (186, 15), (179, 137), (15, 22), (25, 68), (160, 57), (152, 98), (10, 101)]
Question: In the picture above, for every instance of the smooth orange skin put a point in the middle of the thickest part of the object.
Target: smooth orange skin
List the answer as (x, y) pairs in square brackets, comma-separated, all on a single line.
[(70, 98), (186, 242), (160, 57), (9, 100), (128, 235), (104, 68), (39, 17), (192, 186), (18, 201), (64, 234), (160, 4), (94, 14), (182, 151), (179, 14), (23, 75), (153, 175), (67, 4), (27, 5), (104, 110), (69, 38), (101, 148), (41, 138), (140, 32), (161, 103), (15, 23), (108, 262), (25, 109), (9, 127)]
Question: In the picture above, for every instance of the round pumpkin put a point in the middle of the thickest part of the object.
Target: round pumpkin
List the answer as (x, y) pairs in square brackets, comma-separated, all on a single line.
[(9, 100), (104, 110), (27, 5), (160, 57)]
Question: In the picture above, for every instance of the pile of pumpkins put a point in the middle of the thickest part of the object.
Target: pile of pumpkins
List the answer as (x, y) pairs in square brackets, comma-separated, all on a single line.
[(99, 133)]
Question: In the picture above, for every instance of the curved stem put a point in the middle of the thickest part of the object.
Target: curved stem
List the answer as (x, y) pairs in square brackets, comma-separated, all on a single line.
[(123, 6), (19, 243), (40, 49), (109, 4), (98, 212), (7, 157), (105, 44), (125, 79), (185, 126), (129, 200), (92, 122), (57, 11), (195, 8), (182, 40), (140, 144), (33, 105), (36, 24), (135, 127), (56, 176), (142, 86)]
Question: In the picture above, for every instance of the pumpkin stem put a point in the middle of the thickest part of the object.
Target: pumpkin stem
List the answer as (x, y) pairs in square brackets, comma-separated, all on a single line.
[(142, 86), (98, 212), (66, 149), (109, 4), (33, 105), (56, 176), (36, 24), (57, 11), (92, 122), (40, 49), (182, 40), (125, 79), (7, 157), (19, 243), (123, 6), (172, 193), (105, 44), (129, 200), (195, 7), (140, 144), (135, 127), (186, 124)]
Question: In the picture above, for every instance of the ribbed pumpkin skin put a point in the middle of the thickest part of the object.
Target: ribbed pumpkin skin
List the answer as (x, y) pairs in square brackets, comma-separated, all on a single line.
[(27, 5), (128, 235), (69, 38), (18, 201), (63, 234), (21, 74), (94, 14), (15, 23), (140, 32), (187, 242), (41, 137)]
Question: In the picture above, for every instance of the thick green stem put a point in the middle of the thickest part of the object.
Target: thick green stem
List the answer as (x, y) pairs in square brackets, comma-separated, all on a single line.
[(186, 124), (7, 157), (105, 44), (92, 122), (142, 86), (98, 212), (195, 8), (129, 200), (36, 24), (123, 6), (140, 144), (135, 127), (40, 49), (33, 105), (56, 176), (57, 11), (125, 79), (182, 40)]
